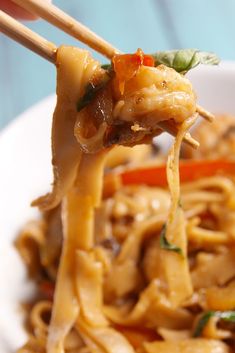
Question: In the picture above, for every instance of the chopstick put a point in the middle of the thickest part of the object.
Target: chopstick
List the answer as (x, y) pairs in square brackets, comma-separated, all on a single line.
[(47, 50), (27, 37), (172, 130), (68, 24), (205, 114)]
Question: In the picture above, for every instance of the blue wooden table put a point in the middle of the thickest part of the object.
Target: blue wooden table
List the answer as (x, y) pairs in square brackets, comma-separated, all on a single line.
[(128, 24)]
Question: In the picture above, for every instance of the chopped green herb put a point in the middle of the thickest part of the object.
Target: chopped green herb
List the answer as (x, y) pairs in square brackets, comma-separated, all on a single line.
[(166, 245), (106, 66), (184, 60), (227, 316), (202, 323), (223, 315)]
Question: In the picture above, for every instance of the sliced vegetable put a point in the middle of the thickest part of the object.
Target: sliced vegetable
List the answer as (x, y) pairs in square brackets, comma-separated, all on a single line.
[(156, 175), (126, 66), (153, 176), (222, 315), (166, 245), (184, 60), (189, 171)]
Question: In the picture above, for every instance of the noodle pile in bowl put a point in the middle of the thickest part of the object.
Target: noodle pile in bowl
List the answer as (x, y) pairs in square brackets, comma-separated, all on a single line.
[(135, 266)]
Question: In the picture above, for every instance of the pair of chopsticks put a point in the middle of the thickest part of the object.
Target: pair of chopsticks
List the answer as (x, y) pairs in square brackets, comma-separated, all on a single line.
[(41, 46), (31, 40)]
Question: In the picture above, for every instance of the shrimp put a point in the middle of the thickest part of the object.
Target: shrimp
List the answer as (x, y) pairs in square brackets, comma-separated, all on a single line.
[(130, 101), (155, 94)]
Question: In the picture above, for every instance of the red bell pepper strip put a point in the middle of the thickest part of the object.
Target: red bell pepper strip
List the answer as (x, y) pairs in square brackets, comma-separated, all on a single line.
[(126, 66), (189, 170)]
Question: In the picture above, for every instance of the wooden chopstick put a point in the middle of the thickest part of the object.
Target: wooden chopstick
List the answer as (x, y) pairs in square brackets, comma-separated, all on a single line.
[(68, 24), (205, 114), (168, 126), (27, 38)]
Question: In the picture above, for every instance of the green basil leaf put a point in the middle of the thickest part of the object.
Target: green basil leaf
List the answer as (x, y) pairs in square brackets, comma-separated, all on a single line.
[(164, 244), (184, 60), (222, 315), (227, 316)]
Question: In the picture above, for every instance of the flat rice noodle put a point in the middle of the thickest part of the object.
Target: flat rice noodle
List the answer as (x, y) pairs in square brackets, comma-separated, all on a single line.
[(106, 340), (104, 257), (205, 237), (131, 155), (213, 269), (196, 196), (29, 244), (74, 342), (75, 68), (136, 336), (33, 345), (124, 275), (77, 218), (153, 309), (122, 280), (174, 335), (65, 306), (51, 248), (152, 260), (176, 266), (89, 284), (83, 198), (221, 299), (194, 345), (214, 182), (131, 247), (89, 181)]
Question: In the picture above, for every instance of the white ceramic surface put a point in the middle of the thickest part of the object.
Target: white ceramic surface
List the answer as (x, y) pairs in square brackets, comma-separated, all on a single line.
[(26, 173)]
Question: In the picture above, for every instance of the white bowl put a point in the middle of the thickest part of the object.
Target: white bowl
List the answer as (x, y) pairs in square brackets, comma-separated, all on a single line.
[(26, 173)]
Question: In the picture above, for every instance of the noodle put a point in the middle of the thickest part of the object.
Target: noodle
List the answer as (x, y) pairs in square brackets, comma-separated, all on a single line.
[(130, 268), (184, 346), (176, 265)]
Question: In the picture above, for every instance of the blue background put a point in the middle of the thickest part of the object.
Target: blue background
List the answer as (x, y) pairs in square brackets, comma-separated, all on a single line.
[(128, 24)]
